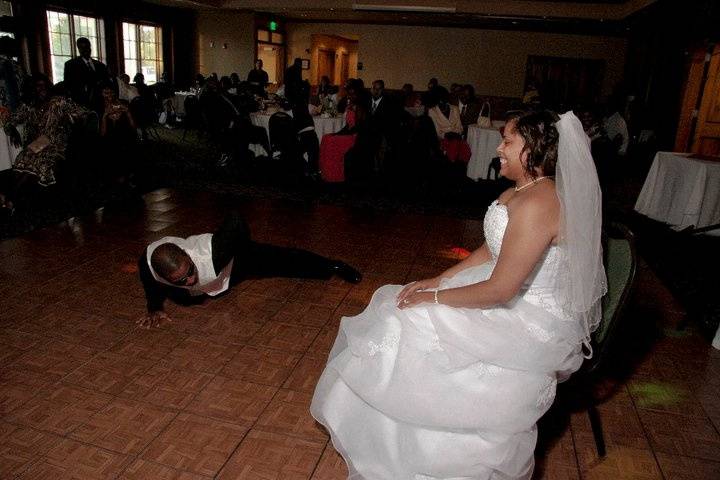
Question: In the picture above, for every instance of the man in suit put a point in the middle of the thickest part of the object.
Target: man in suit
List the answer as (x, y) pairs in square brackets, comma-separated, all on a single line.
[(210, 263), (83, 74), (468, 106), (258, 78)]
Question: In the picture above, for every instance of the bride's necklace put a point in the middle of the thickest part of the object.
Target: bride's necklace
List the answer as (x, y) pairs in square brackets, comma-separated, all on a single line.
[(531, 183)]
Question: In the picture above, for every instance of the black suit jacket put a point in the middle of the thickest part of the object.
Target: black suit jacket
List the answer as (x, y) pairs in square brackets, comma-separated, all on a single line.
[(82, 82), (471, 113)]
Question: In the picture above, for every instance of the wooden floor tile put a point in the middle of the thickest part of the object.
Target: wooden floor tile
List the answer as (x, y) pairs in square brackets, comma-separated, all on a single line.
[(73, 460), (61, 409), (331, 465), (196, 444), (233, 401), (261, 365), (124, 426), (166, 387), (289, 414), (267, 455), (20, 446), (675, 467)]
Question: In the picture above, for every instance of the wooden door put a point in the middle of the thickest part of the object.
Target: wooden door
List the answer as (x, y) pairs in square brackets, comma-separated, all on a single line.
[(326, 64), (344, 69), (707, 132)]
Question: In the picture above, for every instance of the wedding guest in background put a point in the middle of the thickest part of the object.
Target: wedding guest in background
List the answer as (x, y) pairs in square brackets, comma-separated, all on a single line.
[(469, 107), (258, 78), (83, 74), (47, 120)]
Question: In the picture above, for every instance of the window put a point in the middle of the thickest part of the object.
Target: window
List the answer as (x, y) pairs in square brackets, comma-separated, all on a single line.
[(63, 30), (142, 47)]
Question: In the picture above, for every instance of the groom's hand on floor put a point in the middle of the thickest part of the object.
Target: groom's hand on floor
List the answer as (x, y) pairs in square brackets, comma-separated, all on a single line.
[(153, 319)]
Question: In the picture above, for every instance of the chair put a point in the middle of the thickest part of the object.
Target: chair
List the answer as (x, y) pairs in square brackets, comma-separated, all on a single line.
[(193, 116), (620, 266), (282, 135)]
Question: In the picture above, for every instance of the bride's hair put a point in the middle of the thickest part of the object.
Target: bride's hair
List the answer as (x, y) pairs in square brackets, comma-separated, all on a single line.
[(538, 131)]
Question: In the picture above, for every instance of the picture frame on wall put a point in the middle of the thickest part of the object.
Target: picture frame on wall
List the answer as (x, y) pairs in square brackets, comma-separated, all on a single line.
[(306, 64)]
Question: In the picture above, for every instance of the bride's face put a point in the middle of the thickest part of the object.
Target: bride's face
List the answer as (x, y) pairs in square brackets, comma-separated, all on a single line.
[(510, 151)]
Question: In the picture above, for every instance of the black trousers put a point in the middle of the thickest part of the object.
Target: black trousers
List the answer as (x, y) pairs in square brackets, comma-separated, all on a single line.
[(255, 260)]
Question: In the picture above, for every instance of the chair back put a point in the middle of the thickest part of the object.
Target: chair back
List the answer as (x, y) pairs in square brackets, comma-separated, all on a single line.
[(282, 132), (620, 266)]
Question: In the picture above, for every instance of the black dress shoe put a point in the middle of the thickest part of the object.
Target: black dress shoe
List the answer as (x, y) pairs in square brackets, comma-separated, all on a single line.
[(346, 272)]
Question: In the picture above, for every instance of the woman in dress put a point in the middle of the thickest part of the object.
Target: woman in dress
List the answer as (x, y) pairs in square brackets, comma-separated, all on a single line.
[(47, 123), (446, 377)]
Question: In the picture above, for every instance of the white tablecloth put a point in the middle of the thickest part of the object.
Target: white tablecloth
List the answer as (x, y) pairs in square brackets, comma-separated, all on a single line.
[(682, 191), (483, 145), (323, 126), (7, 151)]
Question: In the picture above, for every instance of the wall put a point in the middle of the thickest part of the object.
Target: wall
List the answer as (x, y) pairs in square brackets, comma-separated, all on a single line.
[(493, 60), (231, 28)]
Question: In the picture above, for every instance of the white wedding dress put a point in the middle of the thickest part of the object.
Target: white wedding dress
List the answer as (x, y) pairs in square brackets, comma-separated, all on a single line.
[(435, 392)]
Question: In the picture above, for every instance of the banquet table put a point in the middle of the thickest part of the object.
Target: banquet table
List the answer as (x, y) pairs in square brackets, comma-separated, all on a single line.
[(682, 191), (323, 125), (483, 145)]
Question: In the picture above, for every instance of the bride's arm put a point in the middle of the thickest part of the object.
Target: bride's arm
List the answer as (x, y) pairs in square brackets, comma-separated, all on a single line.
[(479, 256), (530, 230)]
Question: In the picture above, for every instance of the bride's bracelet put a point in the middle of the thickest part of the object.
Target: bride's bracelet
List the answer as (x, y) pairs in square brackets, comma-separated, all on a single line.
[(436, 297)]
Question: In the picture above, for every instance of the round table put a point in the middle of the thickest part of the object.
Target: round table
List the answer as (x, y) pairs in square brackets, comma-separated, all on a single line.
[(483, 145), (682, 191), (323, 125)]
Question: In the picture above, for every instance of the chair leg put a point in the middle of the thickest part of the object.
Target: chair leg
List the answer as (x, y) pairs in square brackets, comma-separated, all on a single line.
[(596, 425)]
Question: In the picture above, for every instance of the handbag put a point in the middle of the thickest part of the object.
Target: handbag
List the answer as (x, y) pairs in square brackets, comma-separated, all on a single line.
[(39, 144), (484, 121)]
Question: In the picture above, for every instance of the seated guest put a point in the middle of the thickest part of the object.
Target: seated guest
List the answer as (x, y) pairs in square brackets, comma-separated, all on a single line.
[(455, 91), (209, 264), (309, 146), (432, 83), (47, 123), (355, 84), (143, 107), (199, 83), (118, 134), (326, 88), (384, 118), (410, 97), (333, 147), (234, 83), (126, 91), (228, 123), (616, 128), (468, 106), (448, 126)]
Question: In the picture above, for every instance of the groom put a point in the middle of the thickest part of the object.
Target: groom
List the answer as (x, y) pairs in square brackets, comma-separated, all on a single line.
[(209, 264)]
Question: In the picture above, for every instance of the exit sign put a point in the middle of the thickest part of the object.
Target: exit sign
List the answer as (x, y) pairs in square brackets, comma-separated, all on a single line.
[(273, 26)]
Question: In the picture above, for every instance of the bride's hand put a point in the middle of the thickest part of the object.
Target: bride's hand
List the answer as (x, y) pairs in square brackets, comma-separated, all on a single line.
[(420, 285)]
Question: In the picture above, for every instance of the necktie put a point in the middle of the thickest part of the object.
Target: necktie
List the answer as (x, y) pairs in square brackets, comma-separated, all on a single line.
[(374, 106), (90, 65)]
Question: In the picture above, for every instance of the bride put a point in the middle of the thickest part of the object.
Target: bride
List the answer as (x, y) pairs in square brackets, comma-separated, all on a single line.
[(446, 377)]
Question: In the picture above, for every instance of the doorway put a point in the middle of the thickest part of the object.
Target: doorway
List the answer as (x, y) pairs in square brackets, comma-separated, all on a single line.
[(326, 64), (333, 56)]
